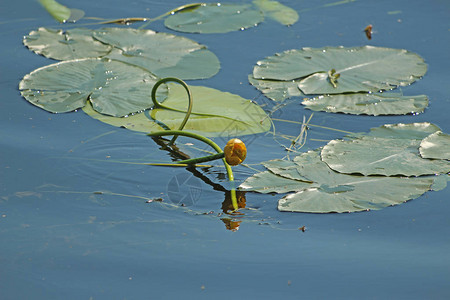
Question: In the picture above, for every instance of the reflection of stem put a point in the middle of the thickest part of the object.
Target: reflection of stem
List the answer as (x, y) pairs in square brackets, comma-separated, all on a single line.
[(159, 105), (210, 143)]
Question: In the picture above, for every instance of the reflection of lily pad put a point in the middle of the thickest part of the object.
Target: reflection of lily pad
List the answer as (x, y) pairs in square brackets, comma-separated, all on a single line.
[(114, 88), (214, 18), (334, 192), (162, 54), (369, 155), (436, 146), (368, 104), (277, 11), (356, 69), (65, 45), (214, 113)]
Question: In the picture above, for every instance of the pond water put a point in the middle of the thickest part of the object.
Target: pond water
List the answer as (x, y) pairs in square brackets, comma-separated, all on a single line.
[(75, 222)]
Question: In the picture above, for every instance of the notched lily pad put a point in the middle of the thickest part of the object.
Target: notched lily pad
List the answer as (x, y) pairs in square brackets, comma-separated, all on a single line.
[(360, 69), (214, 113), (275, 89), (215, 18), (65, 45), (368, 104), (114, 88), (163, 54)]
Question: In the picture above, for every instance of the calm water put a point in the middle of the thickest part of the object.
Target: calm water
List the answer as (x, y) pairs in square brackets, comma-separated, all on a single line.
[(60, 238)]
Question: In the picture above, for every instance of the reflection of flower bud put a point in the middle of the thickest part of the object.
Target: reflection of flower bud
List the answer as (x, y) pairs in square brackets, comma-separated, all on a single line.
[(235, 152)]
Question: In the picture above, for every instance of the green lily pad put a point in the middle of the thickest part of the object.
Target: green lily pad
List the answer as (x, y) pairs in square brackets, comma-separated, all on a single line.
[(417, 131), (267, 182), (214, 18), (163, 54), (361, 69), (214, 113), (65, 45), (276, 90), (114, 88), (436, 146), (277, 11), (369, 104), (334, 192), (370, 155)]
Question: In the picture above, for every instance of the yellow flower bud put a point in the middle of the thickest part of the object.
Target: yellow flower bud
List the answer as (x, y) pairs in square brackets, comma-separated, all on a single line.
[(235, 152)]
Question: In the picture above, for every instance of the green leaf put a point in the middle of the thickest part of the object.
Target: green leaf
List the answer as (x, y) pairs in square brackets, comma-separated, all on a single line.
[(60, 12), (334, 192), (268, 182), (360, 69), (436, 146), (370, 155), (417, 131), (163, 54), (214, 18), (114, 88), (277, 11), (65, 45), (369, 104), (214, 113), (276, 90)]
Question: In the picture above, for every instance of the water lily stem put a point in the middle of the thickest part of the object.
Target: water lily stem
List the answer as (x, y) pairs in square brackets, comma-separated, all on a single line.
[(159, 105), (214, 146)]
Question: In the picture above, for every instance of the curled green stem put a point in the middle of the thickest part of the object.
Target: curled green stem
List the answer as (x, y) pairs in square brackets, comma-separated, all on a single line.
[(214, 146), (159, 105)]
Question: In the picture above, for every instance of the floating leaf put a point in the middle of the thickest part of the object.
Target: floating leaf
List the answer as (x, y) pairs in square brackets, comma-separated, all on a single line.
[(334, 192), (65, 45), (370, 155), (114, 88), (368, 104), (214, 113), (417, 131), (360, 69), (277, 11), (162, 54), (214, 18), (276, 90), (60, 12), (268, 182), (436, 146)]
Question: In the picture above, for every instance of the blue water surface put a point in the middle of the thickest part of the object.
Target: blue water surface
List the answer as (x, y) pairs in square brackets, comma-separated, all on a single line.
[(75, 222)]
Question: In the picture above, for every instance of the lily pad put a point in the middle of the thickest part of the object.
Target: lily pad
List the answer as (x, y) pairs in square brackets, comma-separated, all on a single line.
[(267, 182), (162, 54), (275, 89), (214, 113), (277, 11), (65, 45), (335, 192), (214, 18), (436, 146), (370, 155), (417, 131), (114, 88), (361, 69), (369, 104)]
